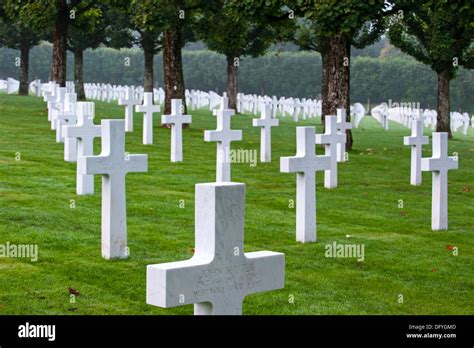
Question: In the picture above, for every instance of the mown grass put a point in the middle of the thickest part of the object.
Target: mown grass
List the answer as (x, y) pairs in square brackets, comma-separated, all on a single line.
[(402, 254)]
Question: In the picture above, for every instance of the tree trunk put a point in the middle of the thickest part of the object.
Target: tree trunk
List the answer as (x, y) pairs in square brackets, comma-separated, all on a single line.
[(443, 118), (59, 61), (24, 67), (325, 106), (79, 74), (173, 67), (232, 82), (336, 76), (148, 73)]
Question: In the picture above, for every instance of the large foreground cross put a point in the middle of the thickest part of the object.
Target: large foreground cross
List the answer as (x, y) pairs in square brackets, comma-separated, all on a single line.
[(219, 275)]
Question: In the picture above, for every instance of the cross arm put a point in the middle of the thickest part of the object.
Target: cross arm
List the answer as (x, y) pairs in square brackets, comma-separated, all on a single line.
[(291, 164), (175, 283), (137, 163), (410, 140), (436, 164), (91, 165), (268, 271)]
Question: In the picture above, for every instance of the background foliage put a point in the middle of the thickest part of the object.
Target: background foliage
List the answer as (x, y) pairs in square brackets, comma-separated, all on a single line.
[(290, 74)]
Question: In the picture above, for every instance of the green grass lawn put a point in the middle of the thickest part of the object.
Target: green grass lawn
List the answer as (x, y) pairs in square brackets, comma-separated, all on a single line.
[(402, 254)]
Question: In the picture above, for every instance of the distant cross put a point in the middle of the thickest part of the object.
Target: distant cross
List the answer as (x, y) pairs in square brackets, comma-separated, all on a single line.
[(296, 109), (223, 135), (129, 102), (330, 139), (224, 104), (342, 126), (439, 164), (220, 274), (113, 164), (148, 109), (84, 132), (57, 105), (67, 116), (49, 96), (266, 122), (416, 141), (176, 119), (305, 164)]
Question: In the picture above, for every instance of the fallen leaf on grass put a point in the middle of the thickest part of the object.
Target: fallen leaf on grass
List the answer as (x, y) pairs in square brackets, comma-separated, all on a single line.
[(73, 291)]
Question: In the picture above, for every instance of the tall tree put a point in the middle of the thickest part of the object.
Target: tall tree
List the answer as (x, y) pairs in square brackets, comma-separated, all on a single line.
[(179, 18), (334, 26), (100, 25), (88, 31), (148, 22), (58, 15), (235, 34), (16, 34), (441, 35)]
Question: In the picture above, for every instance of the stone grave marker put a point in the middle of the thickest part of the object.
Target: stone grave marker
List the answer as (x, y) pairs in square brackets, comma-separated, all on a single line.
[(113, 164), (176, 119), (220, 274), (306, 163), (148, 109), (439, 164)]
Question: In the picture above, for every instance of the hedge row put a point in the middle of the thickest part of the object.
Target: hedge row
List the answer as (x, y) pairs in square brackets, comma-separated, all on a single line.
[(292, 74)]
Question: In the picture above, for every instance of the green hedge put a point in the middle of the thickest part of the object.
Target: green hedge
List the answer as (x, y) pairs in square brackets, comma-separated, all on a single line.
[(292, 74)]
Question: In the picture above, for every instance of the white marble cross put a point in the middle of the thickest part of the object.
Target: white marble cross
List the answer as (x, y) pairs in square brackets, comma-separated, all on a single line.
[(330, 139), (113, 164), (57, 105), (129, 102), (439, 164), (224, 104), (223, 135), (148, 109), (176, 119), (266, 122), (342, 125), (84, 132), (306, 163), (220, 274), (67, 116), (416, 141)]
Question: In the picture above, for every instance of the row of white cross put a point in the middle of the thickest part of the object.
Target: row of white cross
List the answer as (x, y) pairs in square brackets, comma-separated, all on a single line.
[(406, 115), (220, 274), (246, 103)]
